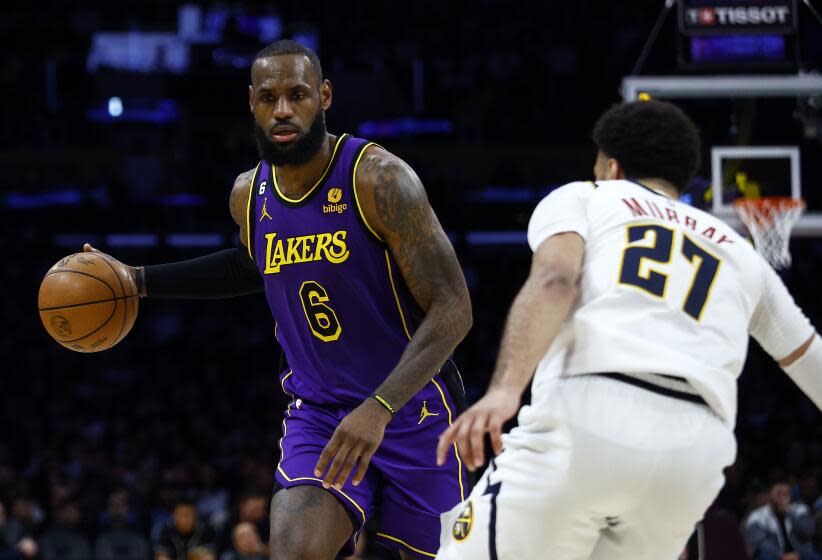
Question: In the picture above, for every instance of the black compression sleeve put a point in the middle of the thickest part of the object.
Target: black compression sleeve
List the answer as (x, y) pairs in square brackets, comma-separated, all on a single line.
[(223, 274)]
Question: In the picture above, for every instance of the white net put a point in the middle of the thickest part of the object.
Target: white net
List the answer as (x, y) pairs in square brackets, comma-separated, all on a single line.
[(770, 221)]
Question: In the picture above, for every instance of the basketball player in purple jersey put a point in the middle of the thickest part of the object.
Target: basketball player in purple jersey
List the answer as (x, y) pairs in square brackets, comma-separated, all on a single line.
[(369, 301)]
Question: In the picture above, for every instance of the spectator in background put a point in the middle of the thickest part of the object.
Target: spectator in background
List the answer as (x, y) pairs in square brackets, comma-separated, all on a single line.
[(28, 514), (118, 514), (17, 549), (246, 544), (64, 540), (186, 537), (252, 508), (780, 530), (808, 489), (212, 500), (11, 530)]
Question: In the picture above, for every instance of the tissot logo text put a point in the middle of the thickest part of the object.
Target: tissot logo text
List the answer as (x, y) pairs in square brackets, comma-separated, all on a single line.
[(739, 15)]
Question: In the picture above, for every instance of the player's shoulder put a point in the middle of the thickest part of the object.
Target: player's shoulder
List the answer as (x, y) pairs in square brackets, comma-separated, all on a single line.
[(238, 199), (568, 193), (583, 188), (244, 180), (378, 165), (384, 176)]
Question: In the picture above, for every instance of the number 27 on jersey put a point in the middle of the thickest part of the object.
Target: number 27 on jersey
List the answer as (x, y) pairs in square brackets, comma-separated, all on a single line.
[(655, 243)]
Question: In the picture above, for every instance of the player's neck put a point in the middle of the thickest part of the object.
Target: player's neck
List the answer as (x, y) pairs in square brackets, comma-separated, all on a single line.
[(661, 186), (296, 180)]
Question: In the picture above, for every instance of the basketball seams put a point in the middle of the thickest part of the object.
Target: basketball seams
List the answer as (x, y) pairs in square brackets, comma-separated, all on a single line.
[(70, 305), (123, 289), (113, 295), (69, 270), (113, 311)]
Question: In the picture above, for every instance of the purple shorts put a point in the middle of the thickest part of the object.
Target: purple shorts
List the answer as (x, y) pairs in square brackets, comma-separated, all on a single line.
[(403, 482)]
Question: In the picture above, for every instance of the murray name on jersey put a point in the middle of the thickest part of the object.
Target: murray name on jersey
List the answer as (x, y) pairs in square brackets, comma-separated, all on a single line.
[(648, 208)]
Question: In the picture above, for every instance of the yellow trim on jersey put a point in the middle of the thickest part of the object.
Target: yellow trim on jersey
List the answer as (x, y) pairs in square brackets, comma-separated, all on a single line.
[(456, 451), (357, 198), (319, 181), (405, 544), (248, 210), (396, 296), (442, 395), (343, 494), (290, 371), (297, 479)]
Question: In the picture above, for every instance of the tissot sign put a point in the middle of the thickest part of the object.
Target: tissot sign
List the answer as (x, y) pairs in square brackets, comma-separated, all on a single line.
[(711, 17)]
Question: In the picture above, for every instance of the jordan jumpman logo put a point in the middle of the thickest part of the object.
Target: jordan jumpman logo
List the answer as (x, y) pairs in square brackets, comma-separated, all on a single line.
[(265, 213), (425, 414)]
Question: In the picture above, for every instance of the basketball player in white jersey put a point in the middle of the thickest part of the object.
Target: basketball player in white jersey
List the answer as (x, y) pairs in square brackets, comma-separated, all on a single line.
[(635, 316)]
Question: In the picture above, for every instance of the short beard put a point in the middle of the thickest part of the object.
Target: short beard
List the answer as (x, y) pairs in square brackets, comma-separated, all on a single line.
[(297, 153)]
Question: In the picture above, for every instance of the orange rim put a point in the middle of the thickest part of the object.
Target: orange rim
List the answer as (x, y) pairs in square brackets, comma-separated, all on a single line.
[(773, 202), (766, 209)]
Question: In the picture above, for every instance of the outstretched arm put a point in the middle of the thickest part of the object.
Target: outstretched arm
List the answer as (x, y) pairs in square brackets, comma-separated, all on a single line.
[(787, 335), (535, 319), (226, 273), (397, 209)]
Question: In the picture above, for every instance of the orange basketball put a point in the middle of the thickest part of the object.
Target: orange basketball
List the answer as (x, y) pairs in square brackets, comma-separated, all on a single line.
[(88, 302)]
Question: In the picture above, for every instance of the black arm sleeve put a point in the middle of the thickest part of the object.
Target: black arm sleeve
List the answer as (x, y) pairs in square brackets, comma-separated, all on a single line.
[(223, 274)]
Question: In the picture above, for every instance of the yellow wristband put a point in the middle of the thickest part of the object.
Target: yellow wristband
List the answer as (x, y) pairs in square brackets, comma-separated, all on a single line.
[(383, 402)]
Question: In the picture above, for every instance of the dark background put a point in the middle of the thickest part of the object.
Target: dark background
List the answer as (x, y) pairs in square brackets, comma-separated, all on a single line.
[(516, 94)]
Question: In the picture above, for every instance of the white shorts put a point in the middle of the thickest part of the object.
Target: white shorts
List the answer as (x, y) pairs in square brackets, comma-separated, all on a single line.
[(601, 470)]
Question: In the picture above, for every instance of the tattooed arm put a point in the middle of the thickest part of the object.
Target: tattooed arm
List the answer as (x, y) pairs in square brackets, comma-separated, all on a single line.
[(396, 207)]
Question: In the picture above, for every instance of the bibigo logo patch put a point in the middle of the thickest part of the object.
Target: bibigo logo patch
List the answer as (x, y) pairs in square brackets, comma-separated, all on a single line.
[(334, 195)]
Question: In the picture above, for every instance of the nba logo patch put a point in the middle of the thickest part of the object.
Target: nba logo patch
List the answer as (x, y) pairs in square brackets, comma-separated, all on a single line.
[(462, 526)]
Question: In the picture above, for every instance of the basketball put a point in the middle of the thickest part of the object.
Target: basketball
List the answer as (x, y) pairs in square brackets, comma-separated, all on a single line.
[(88, 302)]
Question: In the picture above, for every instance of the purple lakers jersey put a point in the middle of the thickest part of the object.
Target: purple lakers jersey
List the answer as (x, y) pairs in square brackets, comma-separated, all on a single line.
[(338, 299)]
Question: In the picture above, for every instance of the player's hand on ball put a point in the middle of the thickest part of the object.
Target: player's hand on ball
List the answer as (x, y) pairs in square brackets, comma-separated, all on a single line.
[(486, 416), (132, 270), (354, 442)]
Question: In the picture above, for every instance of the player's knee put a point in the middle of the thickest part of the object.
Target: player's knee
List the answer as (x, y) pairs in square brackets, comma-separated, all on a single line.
[(295, 541)]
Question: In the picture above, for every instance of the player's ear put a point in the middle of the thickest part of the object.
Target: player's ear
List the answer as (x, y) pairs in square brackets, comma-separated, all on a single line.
[(614, 169), (325, 95), (251, 98)]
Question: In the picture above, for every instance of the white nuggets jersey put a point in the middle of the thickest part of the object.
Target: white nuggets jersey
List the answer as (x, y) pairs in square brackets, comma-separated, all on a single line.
[(666, 289)]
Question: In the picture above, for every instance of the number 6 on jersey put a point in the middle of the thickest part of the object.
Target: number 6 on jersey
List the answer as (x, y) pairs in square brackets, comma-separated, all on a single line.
[(321, 318)]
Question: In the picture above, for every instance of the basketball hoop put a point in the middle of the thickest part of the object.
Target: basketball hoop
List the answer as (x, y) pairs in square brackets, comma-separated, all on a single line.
[(770, 221)]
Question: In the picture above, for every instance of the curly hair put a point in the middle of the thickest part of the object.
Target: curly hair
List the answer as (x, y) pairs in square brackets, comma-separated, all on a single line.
[(650, 139)]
